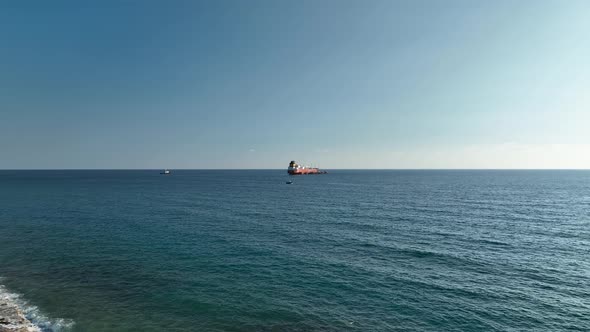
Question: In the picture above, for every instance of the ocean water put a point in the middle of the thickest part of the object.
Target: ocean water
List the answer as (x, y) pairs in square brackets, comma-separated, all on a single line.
[(345, 251)]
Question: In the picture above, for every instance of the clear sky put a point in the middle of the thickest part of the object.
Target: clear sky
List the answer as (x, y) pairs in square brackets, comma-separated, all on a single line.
[(255, 84)]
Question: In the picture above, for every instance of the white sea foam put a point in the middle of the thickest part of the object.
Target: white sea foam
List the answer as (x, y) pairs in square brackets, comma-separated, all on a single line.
[(39, 321)]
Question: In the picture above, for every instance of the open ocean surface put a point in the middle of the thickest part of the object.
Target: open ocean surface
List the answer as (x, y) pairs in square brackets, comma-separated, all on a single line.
[(346, 251)]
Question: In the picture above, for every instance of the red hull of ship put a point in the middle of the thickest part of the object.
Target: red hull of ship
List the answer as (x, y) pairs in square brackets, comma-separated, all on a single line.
[(305, 171)]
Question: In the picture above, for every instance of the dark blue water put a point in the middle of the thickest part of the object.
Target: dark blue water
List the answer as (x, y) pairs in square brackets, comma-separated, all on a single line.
[(345, 251)]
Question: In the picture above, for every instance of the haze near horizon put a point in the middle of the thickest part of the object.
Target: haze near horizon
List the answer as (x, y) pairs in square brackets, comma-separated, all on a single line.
[(340, 84)]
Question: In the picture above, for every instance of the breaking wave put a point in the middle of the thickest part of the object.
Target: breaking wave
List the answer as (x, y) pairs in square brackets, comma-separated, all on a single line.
[(39, 322)]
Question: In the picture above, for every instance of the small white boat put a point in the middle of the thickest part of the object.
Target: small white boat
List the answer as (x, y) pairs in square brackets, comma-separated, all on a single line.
[(165, 172)]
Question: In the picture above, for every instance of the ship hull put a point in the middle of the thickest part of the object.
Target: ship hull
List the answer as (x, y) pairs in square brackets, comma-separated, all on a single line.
[(305, 171)]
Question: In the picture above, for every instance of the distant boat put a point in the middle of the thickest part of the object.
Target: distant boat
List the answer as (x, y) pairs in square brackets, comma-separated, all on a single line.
[(165, 172), (289, 182), (296, 169)]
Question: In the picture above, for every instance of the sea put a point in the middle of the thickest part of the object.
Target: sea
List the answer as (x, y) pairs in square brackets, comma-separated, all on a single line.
[(351, 250)]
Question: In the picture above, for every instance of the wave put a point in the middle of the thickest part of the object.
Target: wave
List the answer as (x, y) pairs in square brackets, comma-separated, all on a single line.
[(21, 315), (494, 242)]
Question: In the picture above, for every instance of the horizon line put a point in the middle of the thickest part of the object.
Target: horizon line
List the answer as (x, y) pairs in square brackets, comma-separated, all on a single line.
[(277, 169)]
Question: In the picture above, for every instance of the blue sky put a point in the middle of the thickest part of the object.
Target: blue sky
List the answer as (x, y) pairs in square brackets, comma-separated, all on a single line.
[(255, 84)]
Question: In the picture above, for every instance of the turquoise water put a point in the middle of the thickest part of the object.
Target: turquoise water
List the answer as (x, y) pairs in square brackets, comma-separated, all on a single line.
[(345, 251)]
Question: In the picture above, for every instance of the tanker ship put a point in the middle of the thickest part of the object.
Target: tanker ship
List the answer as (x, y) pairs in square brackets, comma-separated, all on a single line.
[(295, 169)]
